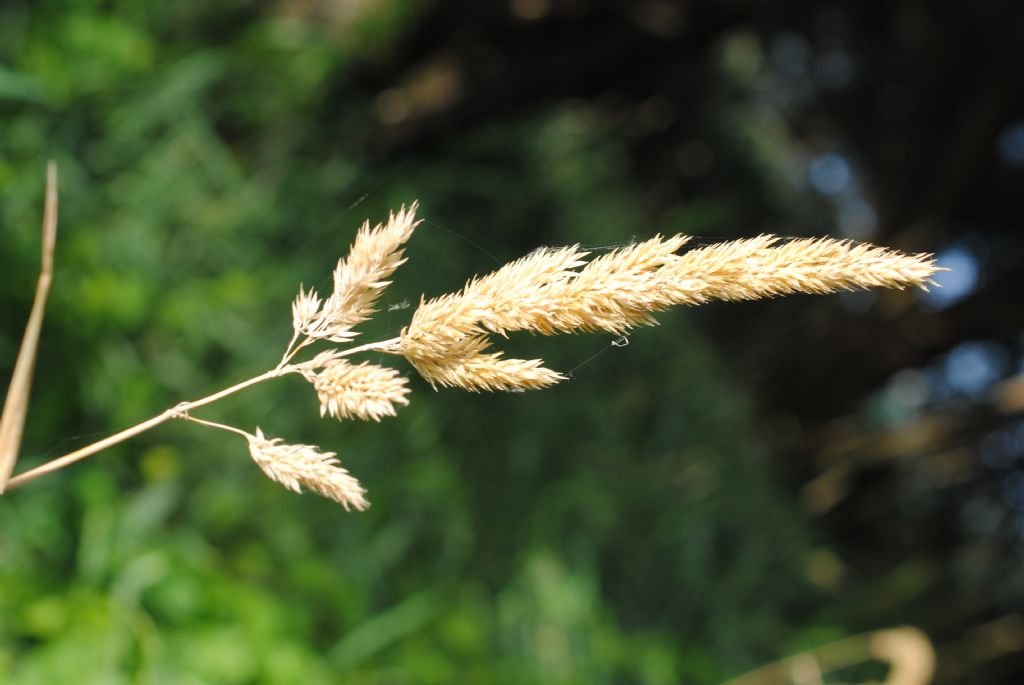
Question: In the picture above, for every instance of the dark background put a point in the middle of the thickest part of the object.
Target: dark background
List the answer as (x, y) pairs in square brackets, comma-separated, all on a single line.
[(741, 483)]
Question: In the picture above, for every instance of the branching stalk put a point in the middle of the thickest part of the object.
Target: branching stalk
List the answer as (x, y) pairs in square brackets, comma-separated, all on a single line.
[(177, 411), (182, 410)]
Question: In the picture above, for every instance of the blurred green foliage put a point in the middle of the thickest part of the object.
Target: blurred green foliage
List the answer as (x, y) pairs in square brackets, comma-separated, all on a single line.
[(620, 528)]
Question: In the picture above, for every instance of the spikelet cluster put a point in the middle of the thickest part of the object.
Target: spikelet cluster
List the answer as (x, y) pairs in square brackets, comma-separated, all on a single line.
[(555, 291), (485, 372), (449, 340), (359, 391), (359, 280), (346, 391), (304, 466), (767, 266)]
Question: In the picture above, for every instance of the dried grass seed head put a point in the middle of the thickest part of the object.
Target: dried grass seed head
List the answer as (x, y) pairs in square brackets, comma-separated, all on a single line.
[(364, 391), (547, 292), (304, 466), (359, 280), (486, 372), (765, 266)]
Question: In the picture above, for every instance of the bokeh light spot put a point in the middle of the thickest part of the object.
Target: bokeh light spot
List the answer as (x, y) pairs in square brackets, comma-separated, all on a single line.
[(957, 283), (971, 368), (830, 174), (1010, 144)]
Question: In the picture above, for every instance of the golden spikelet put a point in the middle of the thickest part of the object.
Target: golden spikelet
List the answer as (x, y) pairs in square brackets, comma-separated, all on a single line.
[(483, 304), (537, 270), (303, 466), (305, 309), (486, 372), (767, 267), (359, 279), (364, 391), (613, 292), (542, 293)]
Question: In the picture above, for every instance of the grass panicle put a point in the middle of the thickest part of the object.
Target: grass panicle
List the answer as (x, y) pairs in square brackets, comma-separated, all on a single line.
[(449, 339)]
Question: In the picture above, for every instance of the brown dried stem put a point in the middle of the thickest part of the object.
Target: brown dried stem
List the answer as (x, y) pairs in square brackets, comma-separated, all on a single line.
[(12, 423)]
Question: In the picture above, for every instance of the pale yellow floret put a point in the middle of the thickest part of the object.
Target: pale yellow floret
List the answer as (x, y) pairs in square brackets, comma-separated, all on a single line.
[(304, 466)]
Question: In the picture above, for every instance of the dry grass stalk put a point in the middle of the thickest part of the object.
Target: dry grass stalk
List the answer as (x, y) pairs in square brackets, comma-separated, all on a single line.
[(552, 290), (12, 423)]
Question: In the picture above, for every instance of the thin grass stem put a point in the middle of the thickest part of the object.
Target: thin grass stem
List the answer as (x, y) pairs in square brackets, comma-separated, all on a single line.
[(213, 424), (177, 411), (12, 422)]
